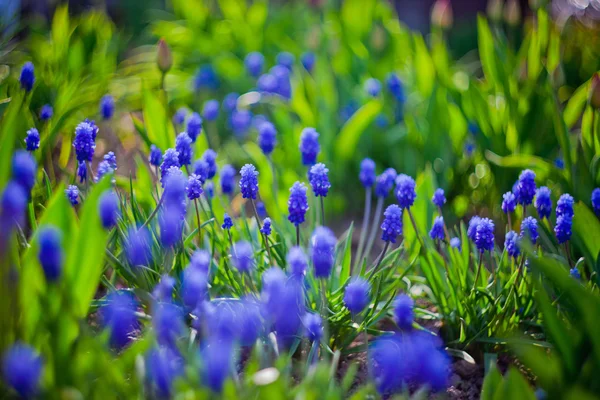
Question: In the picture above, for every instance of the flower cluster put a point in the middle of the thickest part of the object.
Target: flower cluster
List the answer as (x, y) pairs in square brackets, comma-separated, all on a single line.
[(392, 223), (319, 179), (297, 203)]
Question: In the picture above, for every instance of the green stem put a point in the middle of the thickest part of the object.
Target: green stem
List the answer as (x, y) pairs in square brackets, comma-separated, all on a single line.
[(374, 228), (322, 211), (198, 221), (414, 224), (374, 270), (298, 235), (478, 271), (363, 230)]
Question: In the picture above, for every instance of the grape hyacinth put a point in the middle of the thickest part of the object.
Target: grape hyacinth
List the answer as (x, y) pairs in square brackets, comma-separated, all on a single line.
[(194, 187), (227, 222), (356, 295), (511, 244), (392, 223), (285, 59), (543, 202), (596, 200), (206, 78), (46, 112), (575, 274), (529, 229), (297, 261), (170, 225), (194, 126), (155, 157), (437, 230), (384, 183), (266, 227), (564, 206), (111, 159), (137, 247), (32, 140), (372, 87), (170, 159), (472, 229), (309, 146), (13, 201), (438, 198), (179, 117), (108, 209), (84, 142), (201, 168), (82, 171), (323, 251), (509, 202), (50, 252), (240, 121), (72, 193), (104, 168), (297, 203), (526, 187), (319, 179), (249, 181), (562, 229), (484, 235), (118, 315), (163, 291), (210, 157), (24, 169), (405, 191), (227, 179), (313, 326), (308, 60), (243, 256), (194, 287), (164, 366), (367, 172), (27, 77), (230, 102), (183, 145), (107, 106), (254, 63), (403, 312), (267, 137), (210, 111), (395, 87), (455, 243), (22, 370)]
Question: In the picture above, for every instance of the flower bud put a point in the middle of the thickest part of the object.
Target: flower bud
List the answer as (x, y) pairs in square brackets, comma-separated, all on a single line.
[(494, 10), (441, 14), (595, 92), (512, 12), (164, 59)]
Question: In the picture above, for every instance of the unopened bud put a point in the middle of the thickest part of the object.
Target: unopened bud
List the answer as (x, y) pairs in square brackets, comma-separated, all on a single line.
[(494, 10), (595, 91), (164, 59), (441, 14), (512, 12)]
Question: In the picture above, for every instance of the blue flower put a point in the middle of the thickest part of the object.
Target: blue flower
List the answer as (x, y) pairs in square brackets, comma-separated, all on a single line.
[(574, 272), (82, 171), (210, 156), (455, 243), (170, 159), (249, 181), (22, 369), (240, 121), (107, 106), (32, 140), (194, 126), (347, 111), (472, 230), (261, 209), (46, 112), (392, 223), (174, 194), (180, 115), (562, 229), (285, 59), (529, 229), (227, 222), (526, 187), (511, 244), (155, 157), (323, 251), (201, 168), (559, 163), (210, 111), (313, 326), (596, 201), (164, 366), (438, 198), (309, 146), (564, 205), (367, 172), (194, 187), (163, 291), (209, 189), (437, 230), (137, 247), (201, 261), (319, 179), (183, 145), (267, 83), (404, 314), (267, 137), (111, 159), (230, 102), (171, 226), (308, 60), (27, 78), (194, 287), (385, 182), (206, 77), (484, 235), (372, 87), (24, 169), (104, 168), (282, 77), (469, 149), (217, 359), (381, 121), (168, 323), (473, 128), (108, 209), (243, 256), (118, 315), (297, 203), (543, 202), (405, 191), (84, 142), (356, 295), (396, 87), (50, 252), (14, 201), (509, 202), (285, 308), (266, 228), (72, 193), (254, 63), (297, 261), (227, 179)]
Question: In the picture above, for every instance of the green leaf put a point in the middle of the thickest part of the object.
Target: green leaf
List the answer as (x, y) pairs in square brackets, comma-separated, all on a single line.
[(158, 124), (9, 129), (491, 384), (352, 130), (575, 105), (514, 387), (586, 228), (425, 71)]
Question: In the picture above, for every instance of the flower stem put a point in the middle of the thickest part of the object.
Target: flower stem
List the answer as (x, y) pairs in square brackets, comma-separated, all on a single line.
[(322, 211), (478, 271), (414, 224), (265, 240), (298, 235), (363, 229), (379, 260), (198, 221), (374, 228), (153, 214)]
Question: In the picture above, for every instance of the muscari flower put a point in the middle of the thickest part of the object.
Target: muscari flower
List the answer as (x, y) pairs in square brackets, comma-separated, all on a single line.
[(392, 223), (319, 179), (27, 77), (562, 229), (227, 179), (227, 222), (243, 256), (395, 87), (484, 235), (104, 168), (50, 252), (72, 193), (155, 157), (308, 60), (183, 145), (163, 291), (509, 202), (403, 312), (266, 228), (261, 209), (385, 182), (168, 323), (405, 191), (309, 146), (543, 202), (201, 168), (455, 243), (367, 172), (170, 225), (22, 369), (297, 261), (111, 159), (137, 247), (285, 59), (210, 111), (24, 169), (285, 310), (174, 194), (267, 137), (32, 140), (108, 209), (323, 251), (267, 83), (194, 287), (381, 121), (107, 106), (210, 156), (46, 112), (511, 244), (254, 63), (438, 198), (574, 272), (84, 142), (13, 202), (206, 77), (118, 315), (194, 187), (217, 356), (526, 187), (164, 366), (297, 203), (249, 181), (82, 171), (230, 102), (529, 229), (596, 200), (372, 87), (313, 326), (564, 205), (170, 159), (194, 126), (437, 230), (240, 121), (179, 117), (472, 230), (356, 295)]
